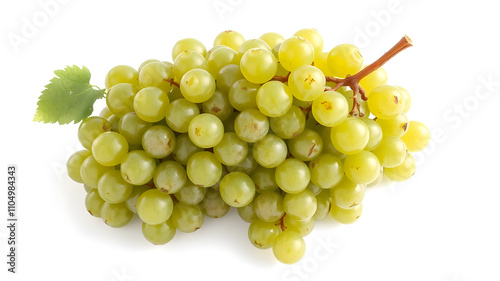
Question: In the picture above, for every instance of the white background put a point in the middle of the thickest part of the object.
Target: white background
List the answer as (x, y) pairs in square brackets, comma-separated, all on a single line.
[(442, 225)]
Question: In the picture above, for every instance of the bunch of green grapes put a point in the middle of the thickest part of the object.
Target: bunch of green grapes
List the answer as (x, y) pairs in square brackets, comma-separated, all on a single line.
[(250, 124)]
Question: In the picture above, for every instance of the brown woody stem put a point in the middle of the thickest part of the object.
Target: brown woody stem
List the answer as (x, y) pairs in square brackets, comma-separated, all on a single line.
[(353, 81)]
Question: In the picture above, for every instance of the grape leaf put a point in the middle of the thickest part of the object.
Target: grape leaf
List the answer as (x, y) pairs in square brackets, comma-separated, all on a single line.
[(69, 97)]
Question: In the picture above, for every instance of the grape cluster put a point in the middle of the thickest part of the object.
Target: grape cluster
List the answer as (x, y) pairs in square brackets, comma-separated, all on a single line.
[(251, 124)]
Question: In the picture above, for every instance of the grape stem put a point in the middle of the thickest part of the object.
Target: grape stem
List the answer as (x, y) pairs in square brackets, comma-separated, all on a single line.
[(352, 81), (172, 82)]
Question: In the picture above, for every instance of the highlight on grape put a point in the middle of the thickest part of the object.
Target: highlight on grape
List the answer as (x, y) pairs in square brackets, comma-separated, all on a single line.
[(277, 127)]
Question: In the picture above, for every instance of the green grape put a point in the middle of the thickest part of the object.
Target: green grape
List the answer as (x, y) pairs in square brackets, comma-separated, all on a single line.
[(150, 104), (132, 127), (346, 216), (174, 94), (121, 74), (186, 61), (154, 206), (105, 113), (270, 152), (347, 194), (313, 36), (397, 126), (190, 194), (212, 205), (229, 122), (290, 124), (144, 63), (218, 105), (206, 130), (138, 167), (87, 188), (320, 61), (344, 59), (364, 111), (203, 169), (330, 109), (306, 146), (251, 44), (417, 137), (272, 38), (375, 133), (179, 114), (184, 149), (93, 203), (351, 136), (116, 215), (188, 44), (300, 206), (402, 172), (391, 151), (187, 218), (292, 176), (137, 191), (303, 227), (377, 78), (90, 128), (91, 171), (362, 167), (247, 213), (258, 65), (264, 179), (158, 141), (113, 188), (327, 143), (386, 102), (323, 200), (262, 234), (378, 179), (231, 150), (268, 206), (109, 148), (230, 38), (159, 234), (406, 98), (220, 58), (228, 75), (307, 82), (243, 95), (326, 170), (156, 74), (237, 189), (120, 99), (74, 164), (197, 85), (247, 166), (209, 52), (314, 188), (294, 52), (115, 122), (169, 177), (251, 125), (274, 99), (289, 247)]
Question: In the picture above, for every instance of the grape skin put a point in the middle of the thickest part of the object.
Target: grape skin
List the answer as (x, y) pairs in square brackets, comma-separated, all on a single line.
[(250, 124)]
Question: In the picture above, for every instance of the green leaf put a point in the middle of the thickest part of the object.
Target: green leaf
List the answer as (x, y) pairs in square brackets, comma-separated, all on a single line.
[(68, 98)]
